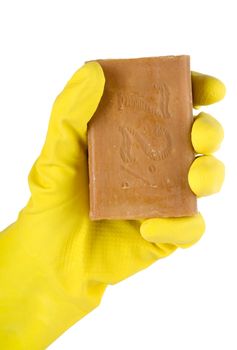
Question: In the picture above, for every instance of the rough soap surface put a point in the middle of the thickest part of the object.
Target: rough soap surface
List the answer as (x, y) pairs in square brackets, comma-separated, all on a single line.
[(139, 144)]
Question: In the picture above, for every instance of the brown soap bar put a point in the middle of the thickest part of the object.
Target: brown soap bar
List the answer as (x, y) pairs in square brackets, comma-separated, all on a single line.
[(139, 144)]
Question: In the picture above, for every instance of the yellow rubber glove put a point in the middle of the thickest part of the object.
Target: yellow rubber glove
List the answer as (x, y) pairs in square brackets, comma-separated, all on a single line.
[(54, 262)]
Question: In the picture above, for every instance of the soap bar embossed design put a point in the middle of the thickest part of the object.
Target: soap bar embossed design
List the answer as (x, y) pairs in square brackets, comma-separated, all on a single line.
[(130, 137), (139, 147)]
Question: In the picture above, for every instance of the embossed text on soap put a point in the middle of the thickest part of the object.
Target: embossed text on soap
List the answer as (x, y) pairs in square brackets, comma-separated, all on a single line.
[(135, 101)]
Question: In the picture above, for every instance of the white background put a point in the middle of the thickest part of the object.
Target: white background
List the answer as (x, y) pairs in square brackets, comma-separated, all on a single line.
[(187, 301)]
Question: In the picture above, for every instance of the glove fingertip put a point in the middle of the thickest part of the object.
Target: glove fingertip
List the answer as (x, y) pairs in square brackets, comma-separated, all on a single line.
[(207, 89), (181, 231)]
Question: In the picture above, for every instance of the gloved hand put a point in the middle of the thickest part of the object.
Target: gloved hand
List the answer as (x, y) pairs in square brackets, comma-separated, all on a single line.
[(54, 262)]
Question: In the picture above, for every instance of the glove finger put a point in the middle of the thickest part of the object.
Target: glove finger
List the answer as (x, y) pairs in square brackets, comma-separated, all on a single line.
[(207, 134), (180, 232), (206, 89), (206, 175)]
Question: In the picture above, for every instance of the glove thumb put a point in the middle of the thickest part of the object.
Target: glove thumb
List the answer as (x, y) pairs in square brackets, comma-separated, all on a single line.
[(62, 164)]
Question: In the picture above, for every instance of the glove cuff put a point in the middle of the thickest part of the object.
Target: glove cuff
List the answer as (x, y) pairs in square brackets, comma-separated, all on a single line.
[(35, 308)]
